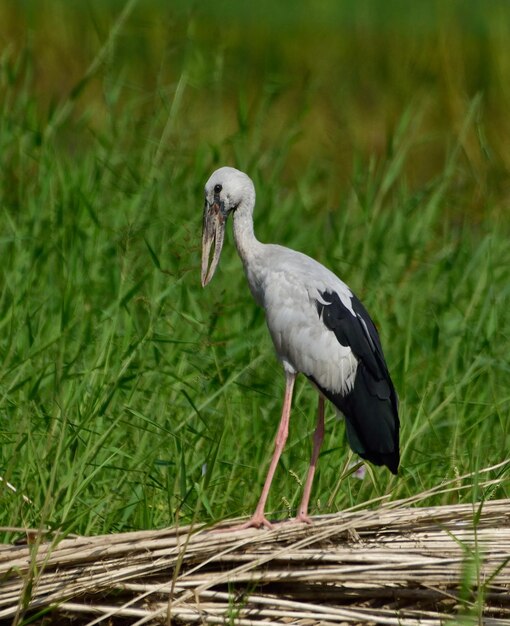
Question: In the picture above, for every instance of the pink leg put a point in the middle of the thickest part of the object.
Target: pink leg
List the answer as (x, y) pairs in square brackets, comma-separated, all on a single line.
[(318, 436), (259, 519)]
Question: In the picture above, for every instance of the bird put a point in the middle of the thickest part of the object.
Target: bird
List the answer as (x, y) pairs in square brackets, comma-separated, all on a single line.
[(319, 328)]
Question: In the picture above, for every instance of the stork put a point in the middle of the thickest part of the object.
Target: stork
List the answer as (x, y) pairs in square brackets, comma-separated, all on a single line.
[(318, 328)]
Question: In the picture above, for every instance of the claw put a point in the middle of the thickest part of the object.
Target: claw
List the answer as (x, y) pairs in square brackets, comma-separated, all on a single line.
[(302, 518), (256, 521)]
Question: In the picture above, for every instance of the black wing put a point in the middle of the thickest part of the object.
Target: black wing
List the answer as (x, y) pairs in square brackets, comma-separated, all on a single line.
[(371, 406)]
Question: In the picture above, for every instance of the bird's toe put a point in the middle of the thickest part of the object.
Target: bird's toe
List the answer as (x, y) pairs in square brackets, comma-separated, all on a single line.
[(302, 518), (257, 521)]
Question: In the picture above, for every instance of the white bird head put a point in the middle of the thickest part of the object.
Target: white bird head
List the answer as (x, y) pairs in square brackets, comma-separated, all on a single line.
[(225, 191)]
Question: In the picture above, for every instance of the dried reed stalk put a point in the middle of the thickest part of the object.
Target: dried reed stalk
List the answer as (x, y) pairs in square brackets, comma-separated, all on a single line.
[(393, 565)]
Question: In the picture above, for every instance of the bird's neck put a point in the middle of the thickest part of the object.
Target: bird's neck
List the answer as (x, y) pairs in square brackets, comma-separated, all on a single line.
[(246, 242)]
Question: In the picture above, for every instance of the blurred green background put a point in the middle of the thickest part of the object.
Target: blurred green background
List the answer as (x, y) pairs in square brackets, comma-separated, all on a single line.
[(337, 74), (377, 136)]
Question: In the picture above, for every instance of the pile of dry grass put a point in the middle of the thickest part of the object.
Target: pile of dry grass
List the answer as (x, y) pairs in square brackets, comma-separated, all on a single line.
[(393, 565)]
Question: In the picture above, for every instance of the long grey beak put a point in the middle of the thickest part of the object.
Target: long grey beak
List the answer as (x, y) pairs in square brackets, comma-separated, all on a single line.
[(213, 230)]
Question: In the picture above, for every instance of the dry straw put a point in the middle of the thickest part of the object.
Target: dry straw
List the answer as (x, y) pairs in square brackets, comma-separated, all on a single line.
[(395, 564)]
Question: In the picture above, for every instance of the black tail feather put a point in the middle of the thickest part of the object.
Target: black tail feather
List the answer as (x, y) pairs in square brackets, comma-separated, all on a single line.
[(371, 414)]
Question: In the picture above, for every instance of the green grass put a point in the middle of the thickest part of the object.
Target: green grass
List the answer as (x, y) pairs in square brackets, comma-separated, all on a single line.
[(132, 398)]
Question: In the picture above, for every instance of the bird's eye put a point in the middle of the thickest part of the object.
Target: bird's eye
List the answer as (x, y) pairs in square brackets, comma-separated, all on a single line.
[(217, 188)]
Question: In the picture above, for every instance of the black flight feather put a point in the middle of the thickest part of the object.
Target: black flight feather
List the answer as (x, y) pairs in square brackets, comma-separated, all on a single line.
[(371, 406)]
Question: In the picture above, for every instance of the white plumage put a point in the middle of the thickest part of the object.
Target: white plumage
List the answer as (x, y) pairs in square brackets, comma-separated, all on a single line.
[(318, 328), (293, 283)]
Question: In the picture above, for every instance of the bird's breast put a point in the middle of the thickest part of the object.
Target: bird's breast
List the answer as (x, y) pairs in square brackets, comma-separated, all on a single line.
[(302, 339)]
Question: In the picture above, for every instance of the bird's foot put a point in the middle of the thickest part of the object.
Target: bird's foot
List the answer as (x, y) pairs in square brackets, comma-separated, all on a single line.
[(302, 518), (256, 521)]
